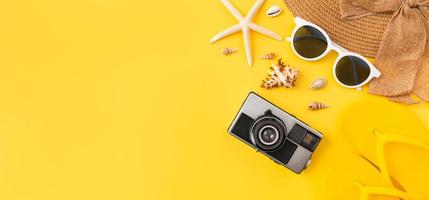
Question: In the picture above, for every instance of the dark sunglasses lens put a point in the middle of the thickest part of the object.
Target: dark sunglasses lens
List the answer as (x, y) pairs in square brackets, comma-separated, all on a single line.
[(352, 71), (309, 42)]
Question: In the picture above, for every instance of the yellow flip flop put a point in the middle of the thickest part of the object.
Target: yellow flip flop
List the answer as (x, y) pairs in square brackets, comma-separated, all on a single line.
[(392, 138), (352, 177)]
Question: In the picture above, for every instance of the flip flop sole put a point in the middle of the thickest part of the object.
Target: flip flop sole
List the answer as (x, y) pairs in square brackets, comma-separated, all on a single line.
[(407, 164), (347, 172)]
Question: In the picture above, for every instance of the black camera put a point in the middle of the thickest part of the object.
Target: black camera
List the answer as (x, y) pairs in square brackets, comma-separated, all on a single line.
[(276, 133)]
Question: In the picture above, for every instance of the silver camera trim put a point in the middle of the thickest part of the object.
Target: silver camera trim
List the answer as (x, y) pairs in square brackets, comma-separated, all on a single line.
[(255, 106), (268, 143)]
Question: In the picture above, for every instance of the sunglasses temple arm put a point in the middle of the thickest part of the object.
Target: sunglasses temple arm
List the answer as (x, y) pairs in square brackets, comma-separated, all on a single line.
[(376, 72)]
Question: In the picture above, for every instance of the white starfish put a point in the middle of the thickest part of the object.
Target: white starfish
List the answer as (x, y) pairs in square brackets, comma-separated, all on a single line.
[(245, 24)]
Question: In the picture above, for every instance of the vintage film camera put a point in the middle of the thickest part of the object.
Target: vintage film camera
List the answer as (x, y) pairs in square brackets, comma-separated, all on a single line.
[(276, 133)]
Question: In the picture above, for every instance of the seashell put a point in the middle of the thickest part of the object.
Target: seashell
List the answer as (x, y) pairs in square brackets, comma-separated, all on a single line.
[(228, 51), (273, 11), (280, 76), (317, 106), (268, 56), (318, 84)]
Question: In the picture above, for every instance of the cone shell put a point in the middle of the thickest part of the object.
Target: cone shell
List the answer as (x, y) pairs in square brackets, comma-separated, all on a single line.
[(318, 84), (228, 51), (317, 106), (268, 56)]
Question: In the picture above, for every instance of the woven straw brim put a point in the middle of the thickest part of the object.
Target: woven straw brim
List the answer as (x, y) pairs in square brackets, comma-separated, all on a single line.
[(362, 35)]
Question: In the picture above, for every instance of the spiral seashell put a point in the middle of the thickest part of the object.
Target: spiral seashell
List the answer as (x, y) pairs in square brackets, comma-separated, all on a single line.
[(317, 106), (318, 84), (268, 56), (228, 51)]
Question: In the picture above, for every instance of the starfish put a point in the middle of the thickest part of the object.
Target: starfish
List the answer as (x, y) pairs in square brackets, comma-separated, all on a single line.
[(245, 25)]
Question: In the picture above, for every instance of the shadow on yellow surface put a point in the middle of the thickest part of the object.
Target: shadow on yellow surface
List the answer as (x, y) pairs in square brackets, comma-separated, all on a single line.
[(109, 99)]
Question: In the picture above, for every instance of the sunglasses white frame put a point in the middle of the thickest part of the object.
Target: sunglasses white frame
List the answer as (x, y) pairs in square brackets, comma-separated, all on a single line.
[(299, 22)]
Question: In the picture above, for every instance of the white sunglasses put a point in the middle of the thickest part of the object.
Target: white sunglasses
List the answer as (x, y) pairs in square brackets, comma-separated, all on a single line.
[(310, 42)]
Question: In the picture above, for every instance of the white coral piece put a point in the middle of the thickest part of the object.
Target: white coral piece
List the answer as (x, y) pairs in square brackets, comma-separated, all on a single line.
[(280, 76)]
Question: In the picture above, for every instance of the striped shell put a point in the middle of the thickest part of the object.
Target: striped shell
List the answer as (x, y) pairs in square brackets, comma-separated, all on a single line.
[(228, 51), (317, 106), (268, 56)]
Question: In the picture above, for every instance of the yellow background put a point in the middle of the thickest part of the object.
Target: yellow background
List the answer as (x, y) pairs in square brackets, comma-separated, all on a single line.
[(126, 99)]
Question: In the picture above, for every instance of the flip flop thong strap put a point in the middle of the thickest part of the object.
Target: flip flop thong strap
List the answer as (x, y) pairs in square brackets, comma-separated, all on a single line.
[(384, 139), (367, 191)]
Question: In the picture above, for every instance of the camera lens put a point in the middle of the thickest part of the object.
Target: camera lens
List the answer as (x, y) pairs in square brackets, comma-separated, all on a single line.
[(268, 133)]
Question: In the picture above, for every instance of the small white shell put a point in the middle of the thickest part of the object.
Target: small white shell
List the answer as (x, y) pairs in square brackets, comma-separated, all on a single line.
[(274, 11), (318, 84)]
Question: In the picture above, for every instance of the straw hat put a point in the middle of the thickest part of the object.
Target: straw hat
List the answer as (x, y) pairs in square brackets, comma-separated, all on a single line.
[(362, 35)]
